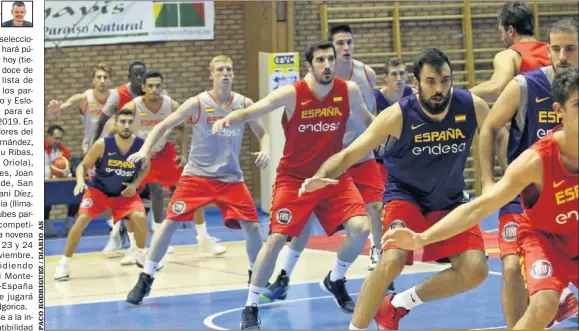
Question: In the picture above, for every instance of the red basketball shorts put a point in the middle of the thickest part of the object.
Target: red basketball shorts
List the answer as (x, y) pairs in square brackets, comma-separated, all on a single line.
[(508, 228), (164, 169), (545, 260), (193, 192), (383, 173), (333, 206), (402, 213), (367, 178), (95, 202)]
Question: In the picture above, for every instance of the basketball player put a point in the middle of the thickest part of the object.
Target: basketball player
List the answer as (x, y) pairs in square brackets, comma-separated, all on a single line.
[(526, 104), (545, 176), (119, 98), (90, 103), (317, 109), (430, 132), (524, 53), (113, 186), (364, 173), (395, 76), (213, 172)]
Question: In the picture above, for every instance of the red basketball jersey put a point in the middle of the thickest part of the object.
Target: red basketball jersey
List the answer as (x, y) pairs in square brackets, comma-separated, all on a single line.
[(125, 96), (315, 131), (534, 55), (554, 208)]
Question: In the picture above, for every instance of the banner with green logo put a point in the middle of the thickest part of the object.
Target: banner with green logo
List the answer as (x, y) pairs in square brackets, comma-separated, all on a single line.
[(80, 23)]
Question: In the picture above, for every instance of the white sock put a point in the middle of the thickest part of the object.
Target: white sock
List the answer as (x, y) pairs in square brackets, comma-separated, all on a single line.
[(407, 299), (564, 295), (352, 327), (64, 260), (116, 229), (110, 222), (202, 230), (339, 270), (251, 265), (150, 268), (253, 295), (290, 259), (132, 240), (371, 237)]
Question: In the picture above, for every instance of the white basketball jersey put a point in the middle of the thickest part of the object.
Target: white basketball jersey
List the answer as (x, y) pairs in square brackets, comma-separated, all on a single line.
[(216, 155), (360, 76), (146, 119), (90, 118)]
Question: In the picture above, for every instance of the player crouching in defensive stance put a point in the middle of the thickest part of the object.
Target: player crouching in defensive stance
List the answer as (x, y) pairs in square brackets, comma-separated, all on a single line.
[(113, 186), (545, 175)]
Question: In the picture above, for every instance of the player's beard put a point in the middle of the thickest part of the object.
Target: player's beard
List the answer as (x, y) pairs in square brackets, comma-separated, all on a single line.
[(433, 107), (323, 81), (125, 134)]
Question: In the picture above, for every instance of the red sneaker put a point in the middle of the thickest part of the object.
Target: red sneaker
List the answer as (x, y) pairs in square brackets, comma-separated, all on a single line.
[(388, 316)]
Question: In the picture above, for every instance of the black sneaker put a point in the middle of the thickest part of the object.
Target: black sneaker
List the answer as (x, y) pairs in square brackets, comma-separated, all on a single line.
[(277, 290), (249, 318), (141, 289), (341, 296)]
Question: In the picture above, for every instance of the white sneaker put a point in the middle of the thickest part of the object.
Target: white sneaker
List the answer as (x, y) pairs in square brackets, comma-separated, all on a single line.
[(374, 258), (131, 257), (209, 244), (62, 273), (114, 244)]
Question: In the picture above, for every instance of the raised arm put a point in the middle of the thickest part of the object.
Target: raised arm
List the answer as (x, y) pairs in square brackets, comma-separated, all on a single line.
[(284, 96), (505, 69), (502, 112), (75, 102), (525, 170), (387, 123), (189, 108)]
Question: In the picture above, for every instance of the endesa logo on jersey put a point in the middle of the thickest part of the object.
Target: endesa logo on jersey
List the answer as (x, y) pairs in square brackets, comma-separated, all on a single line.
[(449, 142), (319, 127)]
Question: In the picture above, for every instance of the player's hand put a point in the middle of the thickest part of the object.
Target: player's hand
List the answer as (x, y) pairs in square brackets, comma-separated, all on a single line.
[(130, 190), (138, 156), (220, 124), (315, 183), (54, 106), (261, 159), (181, 161), (403, 238), (79, 188)]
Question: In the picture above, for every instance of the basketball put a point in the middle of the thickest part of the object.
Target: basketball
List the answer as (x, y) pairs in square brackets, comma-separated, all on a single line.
[(60, 167)]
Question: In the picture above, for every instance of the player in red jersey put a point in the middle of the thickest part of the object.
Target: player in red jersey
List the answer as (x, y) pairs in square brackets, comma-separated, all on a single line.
[(317, 109), (525, 104), (546, 177)]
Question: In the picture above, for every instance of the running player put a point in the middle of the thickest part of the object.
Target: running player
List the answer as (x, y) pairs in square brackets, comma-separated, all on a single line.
[(317, 109), (113, 186), (545, 176), (213, 172), (364, 173), (431, 132), (526, 104)]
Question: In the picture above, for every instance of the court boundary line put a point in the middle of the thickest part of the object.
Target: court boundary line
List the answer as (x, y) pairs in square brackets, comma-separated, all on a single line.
[(208, 321)]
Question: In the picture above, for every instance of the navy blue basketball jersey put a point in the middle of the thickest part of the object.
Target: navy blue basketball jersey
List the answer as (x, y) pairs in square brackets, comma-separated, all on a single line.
[(426, 164), (112, 169), (534, 119), (382, 103)]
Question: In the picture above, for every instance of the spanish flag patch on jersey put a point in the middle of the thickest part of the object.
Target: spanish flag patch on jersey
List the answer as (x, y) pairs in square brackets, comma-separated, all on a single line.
[(460, 118), (209, 110), (337, 99)]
